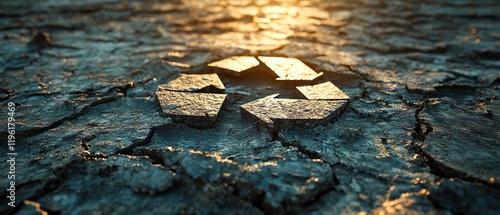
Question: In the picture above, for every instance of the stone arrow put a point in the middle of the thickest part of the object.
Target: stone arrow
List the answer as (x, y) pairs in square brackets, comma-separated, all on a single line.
[(289, 69), (237, 65), (275, 111), (323, 91), (192, 99)]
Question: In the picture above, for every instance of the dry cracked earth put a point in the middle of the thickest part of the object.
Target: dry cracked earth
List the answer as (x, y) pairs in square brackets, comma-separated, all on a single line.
[(419, 136)]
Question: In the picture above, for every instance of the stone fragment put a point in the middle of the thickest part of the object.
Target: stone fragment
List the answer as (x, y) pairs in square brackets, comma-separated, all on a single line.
[(290, 69), (195, 83), (197, 110), (423, 81), (36, 114), (271, 110), (237, 65), (461, 142), (322, 91), (120, 178)]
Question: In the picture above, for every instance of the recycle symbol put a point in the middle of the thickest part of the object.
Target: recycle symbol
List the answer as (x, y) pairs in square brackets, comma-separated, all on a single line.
[(196, 99)]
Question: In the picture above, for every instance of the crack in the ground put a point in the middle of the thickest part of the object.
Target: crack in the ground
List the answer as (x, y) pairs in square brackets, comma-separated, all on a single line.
[(422, 128), (129, 149), (51, 184), (357, 171), (55, 124), (302, 149), (364, 76), (421, 131), (155, 157), (313, 156), (7, 94), (256, 198), (131, 84)]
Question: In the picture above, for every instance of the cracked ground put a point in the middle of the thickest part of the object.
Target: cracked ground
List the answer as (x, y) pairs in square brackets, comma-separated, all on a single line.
[(420, 135)]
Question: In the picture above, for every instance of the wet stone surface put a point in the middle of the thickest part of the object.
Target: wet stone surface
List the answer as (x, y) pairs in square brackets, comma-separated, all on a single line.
[(419, 135)]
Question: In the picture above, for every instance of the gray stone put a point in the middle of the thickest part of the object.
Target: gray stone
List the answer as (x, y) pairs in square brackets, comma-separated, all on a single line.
[(457, 137), (483, 199)]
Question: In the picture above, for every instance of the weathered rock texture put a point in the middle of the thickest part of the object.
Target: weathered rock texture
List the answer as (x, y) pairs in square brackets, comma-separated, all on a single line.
[(323, 91), (289, 69), (192, 99), (236, 65), (420, 134), (271, 110)]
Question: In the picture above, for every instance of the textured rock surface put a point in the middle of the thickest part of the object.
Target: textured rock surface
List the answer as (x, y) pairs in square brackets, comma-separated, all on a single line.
[(236, 65), (195, 109), (289, 69), (209, 83), (323, 91), (419, 134), (271, 110), (452, 128), (192, 99)]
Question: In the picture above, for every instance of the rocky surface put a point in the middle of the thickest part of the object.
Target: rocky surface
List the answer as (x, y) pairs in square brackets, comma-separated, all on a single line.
[(420, 134)]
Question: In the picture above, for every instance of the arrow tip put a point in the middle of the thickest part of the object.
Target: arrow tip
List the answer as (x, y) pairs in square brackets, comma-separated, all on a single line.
[(257, 109)]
